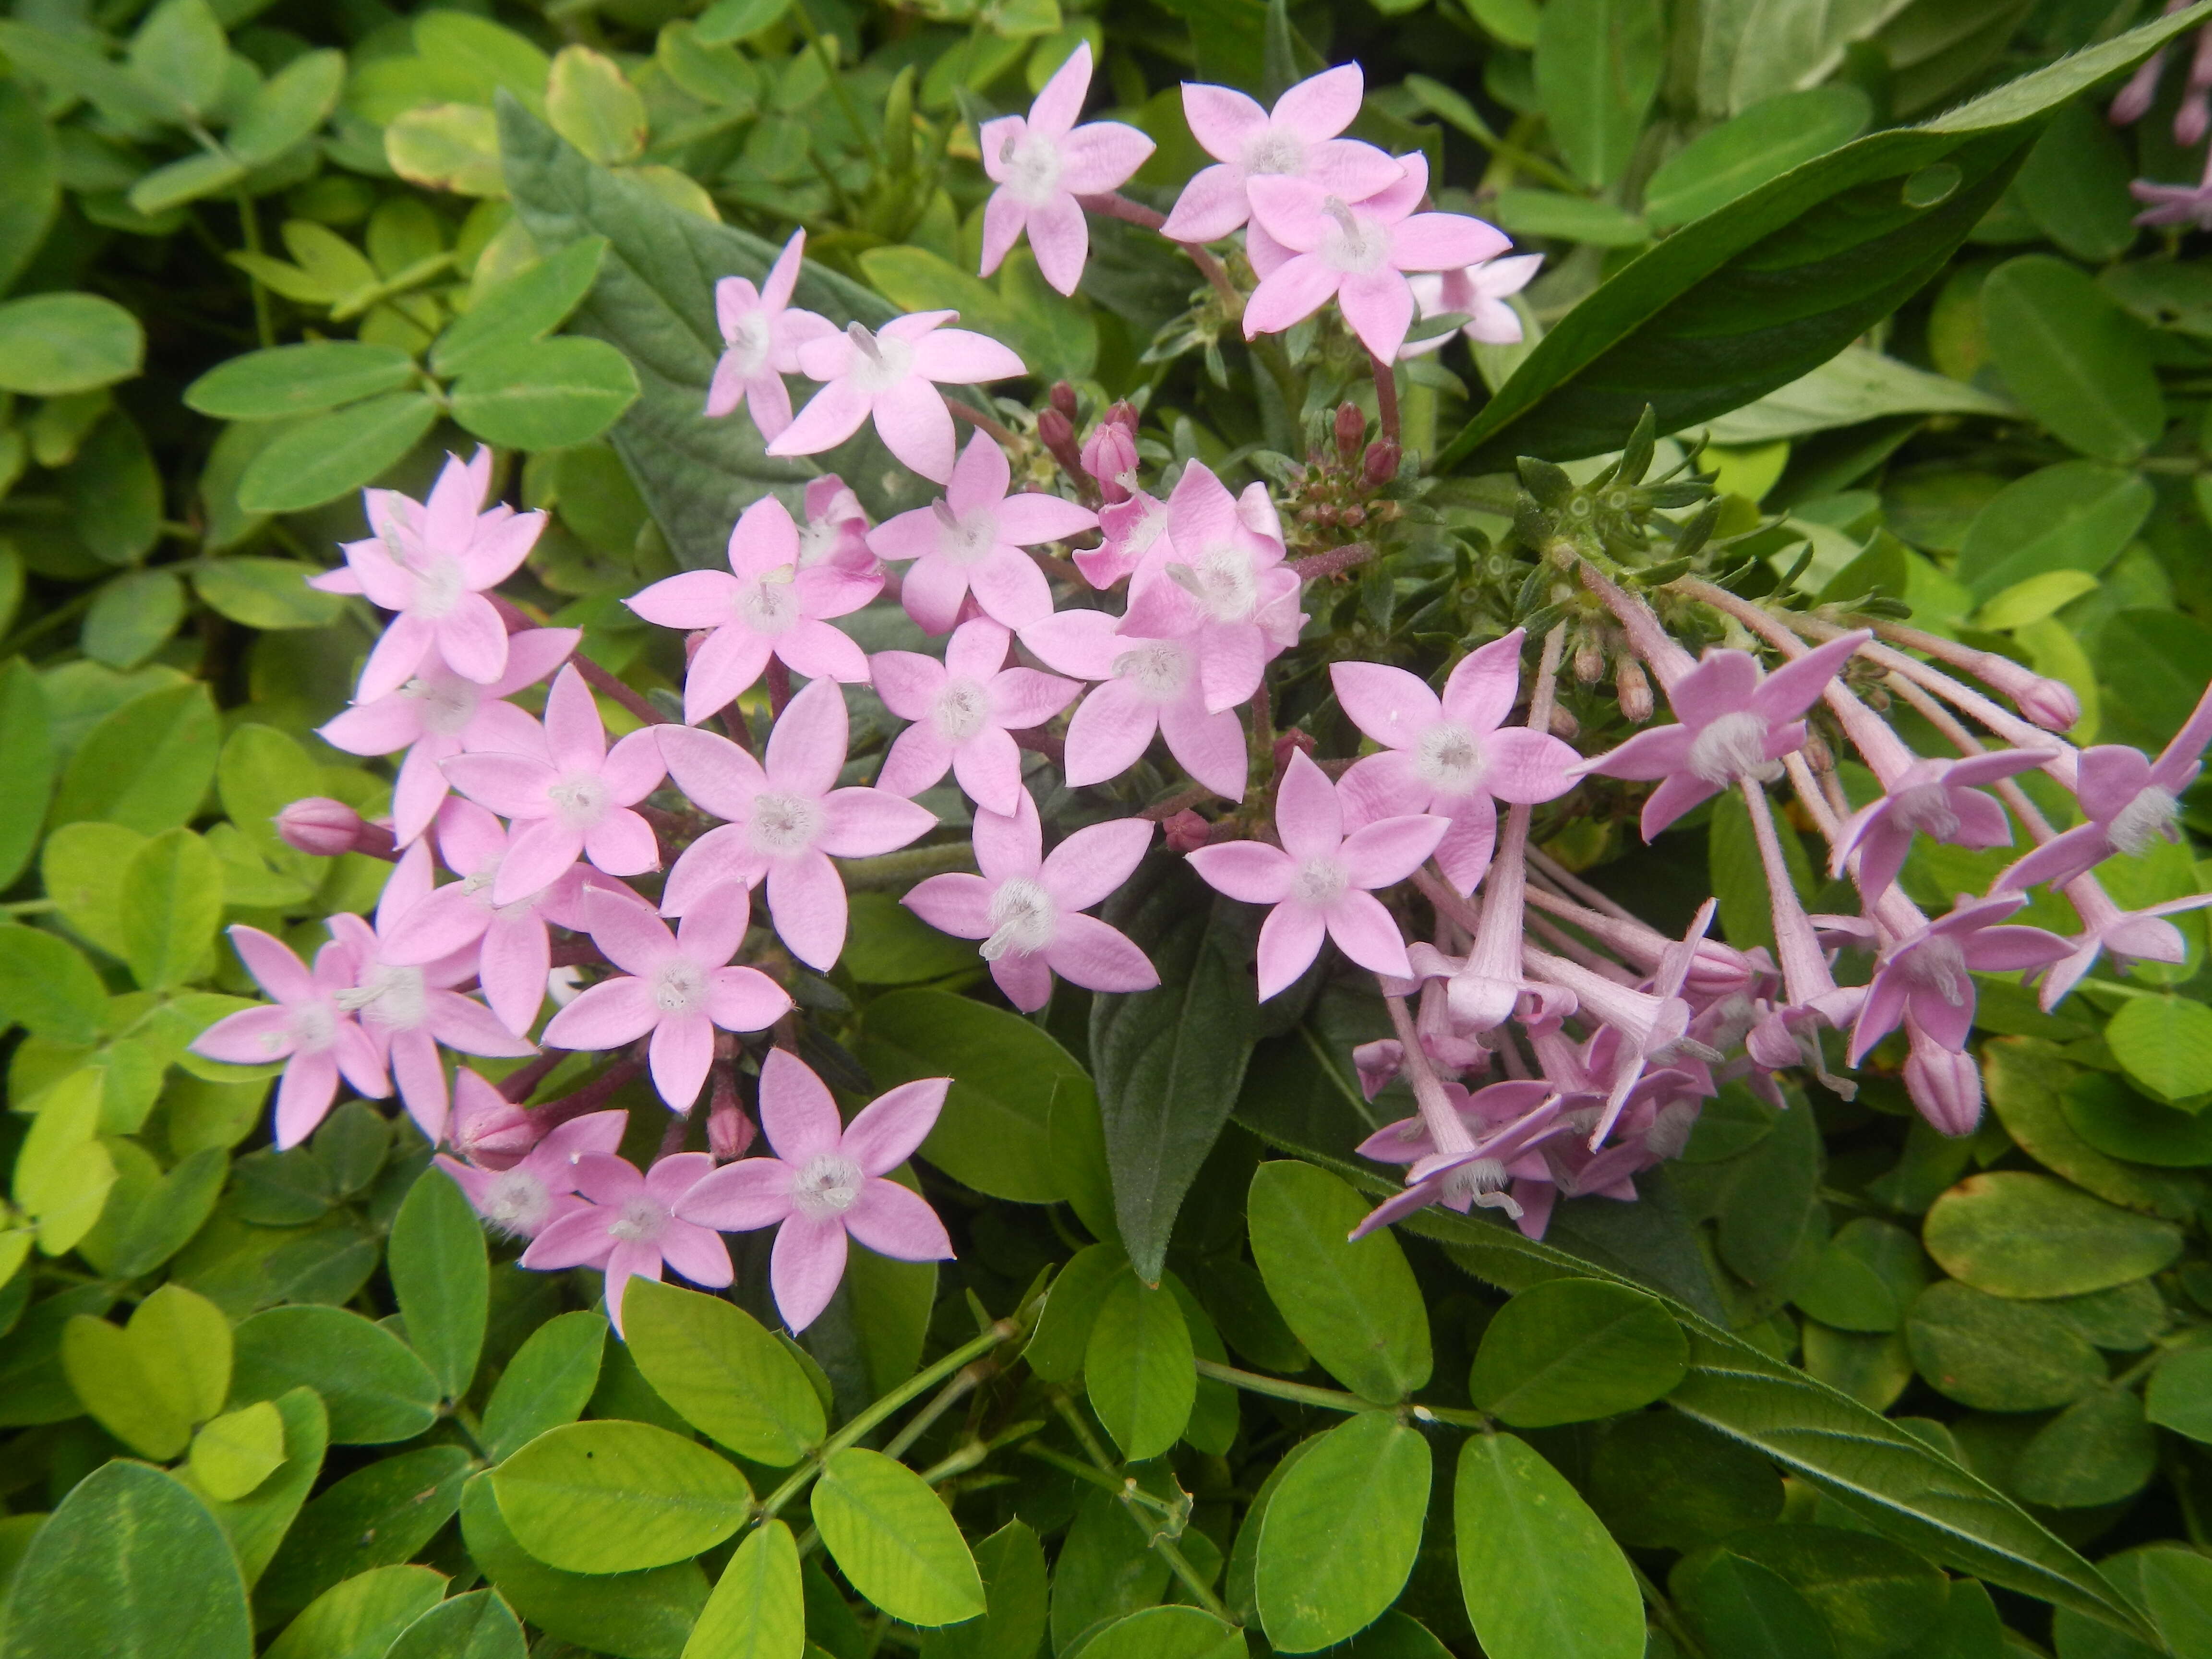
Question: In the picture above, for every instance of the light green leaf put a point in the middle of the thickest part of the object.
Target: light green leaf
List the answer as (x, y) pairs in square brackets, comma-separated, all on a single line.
[(2076, 516), (484, 59), (548, 1381), (257, 1522), (298, 379), (146, 766), (1341, 1532), (1056, 1346), (2034, 599), (451, 147), (132, 616), (1015, 1586), (526, 306), (27, 754), (2164, 1046), (441, 1277), (376, 1389), (267, 593), (32, 188), (235, 1452), (333, 455), (185, 180), (180, 50), (1574, 1349), (149, 1382), (758, 1610), (1542, 1578), (361, 1617), (544, 394), (895, 1540), (2075, 361), (1165, 1634), (591, 103), (1355, 1306), (172, 905), (1855, 385), (476, 1626), (1866, 1279), (1137, 1368), (2098, 1451), (724, 1373), (47, 987), (618, 1497), (55, 344), (1549, 212), (82, 867), (288, 108), (1598, 64), (115, 492), (1764, 143), (2074, 184)]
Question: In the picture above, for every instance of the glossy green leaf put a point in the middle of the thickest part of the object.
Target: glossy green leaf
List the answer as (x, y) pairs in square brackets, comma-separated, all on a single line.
[(381, 1515), (266, 593), (723, 1372), (1137, 1368), (1856, 385), (2076, 515), (2124, 1124), (1764, 143), (547, 1384), (51, 344), (2015, 1234), (145, 766), (375, 1388), (179, 48), (1871, 1594), (334, 454), (441, 1277), (1571, 1350), (759, 1609), (1105, 1569), (895, 1540), (589, 102), (298, 379), (526, 306), (2177, 1585), (257, 1522), (1015, 1589), (476, 1626), (1341, 1532), (1741, 1609), (2074, 360), (236, 1452), (618, 1497), (1539, 1575), (32, 190), (1166, 1634), (1999, 1355), (361, 1616), (1355, 1306), (2075, 186), (26, 757), (1866, 1279), (1660, 1480), (544, 394), (2179, 1396), (1551, 213), (2098, 1451), (1057, 1345)]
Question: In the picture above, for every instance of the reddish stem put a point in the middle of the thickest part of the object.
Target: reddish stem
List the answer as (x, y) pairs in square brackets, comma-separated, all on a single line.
[(1315, 567), (597, 678), (982, 423), (591, 1096), (1386, 396), (520, 1083), (779, 687)]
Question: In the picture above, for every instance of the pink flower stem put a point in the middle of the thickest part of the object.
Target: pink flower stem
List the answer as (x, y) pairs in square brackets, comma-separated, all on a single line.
[(591, 1096), (1315, 567), (1446, 1129), (1804, 969), (1114, 205), (1386, 396), (519, 1084), (1182, 801), (1567, 881), (982, 423), (592, 675), (672, 1138), (1647, 637)]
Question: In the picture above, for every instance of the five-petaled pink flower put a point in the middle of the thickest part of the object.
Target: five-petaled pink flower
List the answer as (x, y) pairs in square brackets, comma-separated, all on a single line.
[(430, 562), (570, 794), (630, 1226), (1147, 687), (972, 541), (679, 987), (786, 820), (2130, 798), (1735, 722), (1937, 796), (1452, 755), (1928, 976), (892, 374), (1309, 244), (1298, 139), (1042, 164), (527, 1195), (1479, 294), (763, 332), (767, 604), (962, 709), (825, 1180), (1318, 880), (1025, 906), (309, 1029), (439, 713)]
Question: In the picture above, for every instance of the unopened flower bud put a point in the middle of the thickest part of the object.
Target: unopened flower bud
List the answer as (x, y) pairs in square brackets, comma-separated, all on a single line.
[(1292, 742), (1818, 754), (1565, 726), (1945, 1085), (1351, 428), (2051, 704), (1063, 399), (1381, 464), (1632, 686), (1054, 430), (1109, 455), (1352, 516), (1590, 662), (327, 829), (1185, 831), (729, 1131), (1124, 413)]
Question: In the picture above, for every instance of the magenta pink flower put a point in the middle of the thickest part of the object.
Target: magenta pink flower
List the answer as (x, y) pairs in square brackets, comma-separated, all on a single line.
[(569, 794), (430, 562), (1929, 975), (962, 709), (1736, 722), (1937, 796), (522, 1198), (1025, 906), (2129, 797), (826, 1180), (1298, 139), (1041, 165), (767, 605), (893, 376), (1479, 294), (1452, 755), (1484, 1111), (630, 1227), (679, 987), (315, 1034), (836, 529), (786, 821), (1150, 687), (1315, 246), (763, 333), (2127, 936), (439, 713), (972, 541), (1319, 879)]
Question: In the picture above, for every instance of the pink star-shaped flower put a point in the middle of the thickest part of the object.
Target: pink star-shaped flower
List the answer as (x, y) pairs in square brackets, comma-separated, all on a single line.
[(1928, 976), (962, 709), (1298, 139), (2129, 797), (1025, 906), (972, 541), (826, 1180), (2127, 936), (1479, 294), (1131, 529), (528, 1194), (1148, 687), (631, 1228), (893, 376), (766, 604), (1041, 165), (570, 794), (836, 529), (786, 821), (763, 332), (1934, 796)]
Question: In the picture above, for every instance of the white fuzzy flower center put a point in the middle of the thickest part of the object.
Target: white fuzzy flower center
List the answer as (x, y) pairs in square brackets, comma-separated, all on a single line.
[(1320, 881), (449, 702), (1938, 964), (679, 987), (517, 1203), (827, 1185), (1223, 583), (817, 540), (962, 710), (394, 997), (1160, 669), (2151, 813), (965, 538), (785, 825), (1734, 746), (439, 584), (1275, 151), (313, 1026), (1478, 1183), (580, 799), (880, 362), (640, 1220), (1354, 244), (750, 338), (769, 606), (1032, 167), (1150, 527), (1023, 920), (1449, 759), (1925, 806)]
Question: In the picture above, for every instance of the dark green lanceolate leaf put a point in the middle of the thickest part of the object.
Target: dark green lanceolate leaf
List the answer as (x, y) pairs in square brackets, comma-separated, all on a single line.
[(1341, 1532), (27, 762), (723, 1372), (1541, 1578), (759, 1609), (1355, 1306), (52, 344), (1137, 1367), (1571, 1350), (442, 1279), (544, 394), (895, 1540), (2076, 515), (378, 1516), (1742, 1610), (146, 765), (1776, 283), (1168, 1061), (618, 1497), (298, 379), (375, 1388), (548, 1383), (523, 307), (2076, 361), (130, 1566), (2016, 1234), (1764, 143), (476, 1626), (334, 454), (1016, 1588)]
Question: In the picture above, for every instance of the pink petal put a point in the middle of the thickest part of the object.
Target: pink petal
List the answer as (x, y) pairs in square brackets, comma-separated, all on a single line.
[(1364, 931), (892, 1221), (813, 648), (1307, 815), (1353, 171), (2108, 776), (805, 1267), (696, 1253), (988, 767), (1060, 100), (513, 785), (498, 551), (1024, 978), (1091, 864), (1110, 732), (1292, 211), (1323, 105), (796, 1111), (1388, 704), (1100, 156), (889, 1127), (273, 964), (1212, 205), (713, 928), (909, 682), (715, 773), (1032, 516), (629, 933), (1060, 238), (831, 416), (1481, 690), (956, 356), (374, 728), (1004, 218), (916, 426), (574, 735), (2000, 950), (613, 1012), (723, 669), (1795, 686), (1378, 307), (304, 1094), (957, 904), (862, 823), (1383, 854), (473, 640), (1081, 643), (1648, 755), (1209, 747), (1250, 870), (807, 750), (1296, 290), (720, 855), (1387, 785), (1231, 658), (744, 1000), (737, 1198), (806, 897), (254, 1036), (621, 844), (1290, 939), (1724, 683), (682, 1051), (1023, 698), (422, 1082), (934, 590), (517, 956), (444, 921), (576, 1240), (1010, 587), (783, 274), (1464, 854), (537, 855), (1525, 767), (918, 760), (1671, 800), (1009, 844), (1444, 241), (1087, 953), (694, 598), (396, 657), (1221, 118)]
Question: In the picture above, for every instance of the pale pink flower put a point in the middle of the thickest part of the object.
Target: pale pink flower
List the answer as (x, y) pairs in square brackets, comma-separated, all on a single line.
[(1025, 907), (1930, 976), (893, 376), (2127, 936), (569, 794), (1298, 139), (836, 528), (2130, 799), (487, 1128), (766, 604), (1131, 529), (787, 819), (1319, 879), (1479, 293), (309, 1029), (523, 1196), (679, 987), (972, 541), (826, 1180), (1318, 246), (962, 709), (763, 333), (438, 713), (430, 562), (1452, 755), (1934, 796), (630, 1227), (1042, 164), (1149, 687)]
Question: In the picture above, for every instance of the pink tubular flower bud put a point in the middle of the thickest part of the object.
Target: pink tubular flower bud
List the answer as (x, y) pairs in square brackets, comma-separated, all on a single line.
[(327, 829), (2051, 704), (1944, 1084), (487, 1128), (1186, 832), (1109, 455), (729, 1131), (1351, 427)]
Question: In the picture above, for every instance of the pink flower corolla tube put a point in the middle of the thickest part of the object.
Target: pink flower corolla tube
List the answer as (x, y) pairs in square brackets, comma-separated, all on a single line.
[(1944, 1082), (962, 709), (526, 1196), (2129, 797), (1147, 688), (570, 795), (891, 375), (1319, 881), (1452, 755), (1042, 163), (786, 820), (1311, 245), (1026, 905), (677, 987), (835, 530), (766, 604), (1736, 722), (764, 332), (972, 542), (430, 562), (487, 1128), (825, 1180), (630, 1227), (1929, 975), (2127, 936), (438, 713), (306, 1027), (1298, 139), (1479, 293)]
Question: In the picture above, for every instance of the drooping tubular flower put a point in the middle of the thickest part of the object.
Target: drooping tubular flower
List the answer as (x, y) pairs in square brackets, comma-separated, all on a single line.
[(1042, 164), (1479, 293), (1296, 139), (630, 1226), (527, 1195), (1025, 907), (767, 605), (2128, 798), (826, 1180), (892, 374), (763, 332), (1928, 976), (1148, 687), (962, 709), (430, 562)]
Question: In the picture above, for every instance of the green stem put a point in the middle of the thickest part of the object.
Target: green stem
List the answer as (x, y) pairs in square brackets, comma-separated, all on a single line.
[(1135, 1498), (887, 871), (837, 87), (29, 907), (250, 229), (1332, 1399), (964, 1383), (45, 624)]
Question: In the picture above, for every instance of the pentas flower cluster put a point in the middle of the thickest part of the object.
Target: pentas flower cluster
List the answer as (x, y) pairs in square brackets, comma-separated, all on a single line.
[(1108, 640)]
